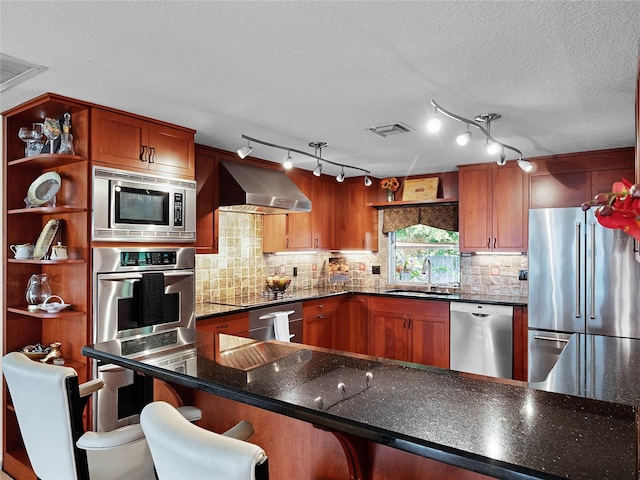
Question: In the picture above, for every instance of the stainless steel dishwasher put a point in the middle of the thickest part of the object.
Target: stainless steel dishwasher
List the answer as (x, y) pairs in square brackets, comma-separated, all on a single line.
[(481, 339)]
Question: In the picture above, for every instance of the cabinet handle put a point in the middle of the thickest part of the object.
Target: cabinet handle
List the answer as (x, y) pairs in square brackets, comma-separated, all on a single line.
[(404, 323), (363, 243), (317, 243), (488, 243), (143, 153), (222, 326), (152, 156), (495, 242), (215, 243), (409, 326), (287, 243), (321, 316)]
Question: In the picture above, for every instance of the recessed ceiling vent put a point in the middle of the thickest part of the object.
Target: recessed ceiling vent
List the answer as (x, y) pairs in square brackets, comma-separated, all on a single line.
[(390, 129), (14, 71)]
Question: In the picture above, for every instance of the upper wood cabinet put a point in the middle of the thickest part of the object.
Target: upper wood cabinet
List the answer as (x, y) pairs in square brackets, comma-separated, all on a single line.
[(570, 179), (304, 231), (356, 221), (134, 142), (493, 203)]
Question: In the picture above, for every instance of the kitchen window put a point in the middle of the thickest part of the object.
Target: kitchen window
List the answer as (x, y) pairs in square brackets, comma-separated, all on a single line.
[(420, 248)]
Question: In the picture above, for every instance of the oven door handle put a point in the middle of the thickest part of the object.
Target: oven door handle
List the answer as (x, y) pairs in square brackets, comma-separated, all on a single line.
[(138, 276)]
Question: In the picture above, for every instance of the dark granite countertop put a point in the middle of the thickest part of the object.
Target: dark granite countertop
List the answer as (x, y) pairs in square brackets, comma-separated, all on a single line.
[(496, 427), (249, 302)]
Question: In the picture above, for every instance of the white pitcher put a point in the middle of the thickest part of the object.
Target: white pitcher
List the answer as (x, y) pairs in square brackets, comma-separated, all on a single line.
[(22, 251)]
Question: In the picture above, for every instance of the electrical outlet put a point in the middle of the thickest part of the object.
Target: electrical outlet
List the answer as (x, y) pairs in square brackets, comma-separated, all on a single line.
[(375, 269), (283, 269), (295, 271), (523, 274), (495, 271)]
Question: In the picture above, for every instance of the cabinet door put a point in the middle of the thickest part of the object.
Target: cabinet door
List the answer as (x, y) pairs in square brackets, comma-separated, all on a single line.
[(118, 139), (475, 202), (299, 225), (429, 340), (318, 330), (172, 150), (510, 205), (388, 335), (274, 237), (357, 222), (323, 213), (350, 328)]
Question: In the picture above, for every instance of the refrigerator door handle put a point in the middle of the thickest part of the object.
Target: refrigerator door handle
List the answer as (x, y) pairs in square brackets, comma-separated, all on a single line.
[(578, 313), (592, 304), (552, 339)]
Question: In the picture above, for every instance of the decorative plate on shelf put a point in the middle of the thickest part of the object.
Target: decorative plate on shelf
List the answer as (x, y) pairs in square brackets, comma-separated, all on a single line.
[(46, 239), (44, 188)]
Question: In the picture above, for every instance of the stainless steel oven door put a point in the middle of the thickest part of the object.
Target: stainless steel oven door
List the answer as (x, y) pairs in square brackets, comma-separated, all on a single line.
[(114, 315)]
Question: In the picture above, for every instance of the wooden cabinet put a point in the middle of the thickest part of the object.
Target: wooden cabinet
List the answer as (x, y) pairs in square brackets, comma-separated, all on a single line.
[(207, 199), (357, 222), (493, 203), (350, 328), (570, 179), (233, 324), (318, 318), (410, 330), (68, 278), (304, 231), (134, 142)]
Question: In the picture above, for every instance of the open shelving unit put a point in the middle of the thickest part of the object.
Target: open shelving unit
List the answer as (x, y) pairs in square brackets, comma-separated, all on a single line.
[(68, 278)]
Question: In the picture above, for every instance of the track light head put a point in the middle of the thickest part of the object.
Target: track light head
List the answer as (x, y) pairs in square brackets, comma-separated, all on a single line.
[(525, 165), (340, 176), (492, 147), (244, 151), (367, 181), (318, 170), (434, 124), (288, 163), (464, 138), (502, 160)]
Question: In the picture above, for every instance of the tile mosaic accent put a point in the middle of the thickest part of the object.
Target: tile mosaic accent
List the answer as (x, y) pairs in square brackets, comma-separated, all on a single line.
[(240, 268)]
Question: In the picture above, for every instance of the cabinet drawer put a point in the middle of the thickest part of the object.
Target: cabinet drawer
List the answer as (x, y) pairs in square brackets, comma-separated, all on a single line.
[(237, 323), (323, 305)]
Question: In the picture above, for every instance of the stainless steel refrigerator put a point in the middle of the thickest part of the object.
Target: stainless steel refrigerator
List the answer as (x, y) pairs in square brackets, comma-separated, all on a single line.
[(583, 278)]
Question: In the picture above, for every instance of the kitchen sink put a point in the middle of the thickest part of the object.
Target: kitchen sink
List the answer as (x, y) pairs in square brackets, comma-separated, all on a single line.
[(418, 293)]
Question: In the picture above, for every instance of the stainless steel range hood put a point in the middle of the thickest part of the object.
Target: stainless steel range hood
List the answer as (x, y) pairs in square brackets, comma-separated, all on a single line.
[(250, 189)]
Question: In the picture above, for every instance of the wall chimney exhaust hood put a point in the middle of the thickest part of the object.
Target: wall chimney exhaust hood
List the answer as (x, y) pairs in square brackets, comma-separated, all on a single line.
[(250, 189)]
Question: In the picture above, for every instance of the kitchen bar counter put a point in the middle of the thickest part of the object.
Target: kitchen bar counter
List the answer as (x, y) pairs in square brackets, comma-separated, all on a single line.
[(499, 428), (249, 302)]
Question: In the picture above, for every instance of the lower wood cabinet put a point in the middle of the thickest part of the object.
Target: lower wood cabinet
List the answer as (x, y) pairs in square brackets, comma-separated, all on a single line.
[(318, 317), (409, 330), (233, 324), (350, 329)]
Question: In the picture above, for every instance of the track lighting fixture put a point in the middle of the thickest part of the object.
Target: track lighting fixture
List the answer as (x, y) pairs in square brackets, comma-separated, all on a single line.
[(464, 138), (244, 151), (318, 146), (288, 163), (492, 146)]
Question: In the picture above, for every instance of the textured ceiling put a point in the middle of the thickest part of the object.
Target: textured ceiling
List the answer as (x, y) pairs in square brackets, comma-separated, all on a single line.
[(561, 74)]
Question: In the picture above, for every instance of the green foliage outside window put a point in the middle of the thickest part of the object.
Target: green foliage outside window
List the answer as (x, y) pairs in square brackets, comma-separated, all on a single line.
[(412, 246)]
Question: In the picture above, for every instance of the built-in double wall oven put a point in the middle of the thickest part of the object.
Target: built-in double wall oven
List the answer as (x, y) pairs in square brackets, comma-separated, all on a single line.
[(140, 296)]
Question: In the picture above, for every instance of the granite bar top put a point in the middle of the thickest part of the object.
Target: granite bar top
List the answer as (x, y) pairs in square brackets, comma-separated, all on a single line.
[(250, 302), (496, 427)]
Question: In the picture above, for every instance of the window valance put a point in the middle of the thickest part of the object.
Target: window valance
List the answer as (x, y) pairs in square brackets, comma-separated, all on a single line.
[(444, 217)]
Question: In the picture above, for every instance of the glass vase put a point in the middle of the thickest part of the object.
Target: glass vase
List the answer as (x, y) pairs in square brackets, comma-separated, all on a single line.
[(391, 196)]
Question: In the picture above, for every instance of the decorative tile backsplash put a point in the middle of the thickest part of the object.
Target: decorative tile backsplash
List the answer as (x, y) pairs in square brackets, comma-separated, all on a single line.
[(240, 268)]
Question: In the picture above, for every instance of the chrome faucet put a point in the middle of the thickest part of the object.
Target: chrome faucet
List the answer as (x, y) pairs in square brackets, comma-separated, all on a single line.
[(426, 270)]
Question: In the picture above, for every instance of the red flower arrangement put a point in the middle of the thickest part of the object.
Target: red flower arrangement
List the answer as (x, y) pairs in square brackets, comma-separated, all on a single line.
[(619, 208)]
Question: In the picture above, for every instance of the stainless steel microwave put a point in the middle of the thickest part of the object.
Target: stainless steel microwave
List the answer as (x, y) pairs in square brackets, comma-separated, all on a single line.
[(141, 207)]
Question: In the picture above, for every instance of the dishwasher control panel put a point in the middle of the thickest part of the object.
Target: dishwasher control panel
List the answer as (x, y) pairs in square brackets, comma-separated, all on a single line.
[(481, 308)]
